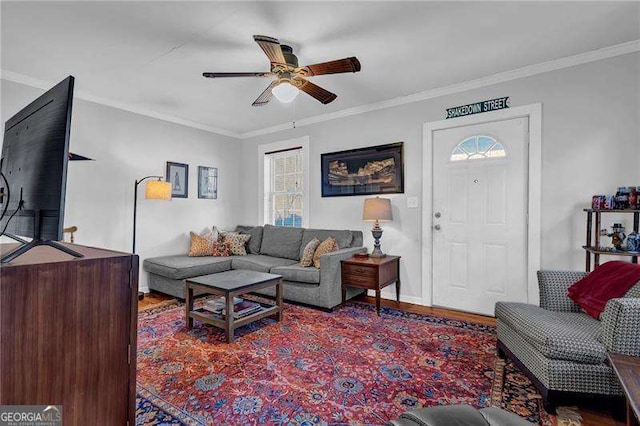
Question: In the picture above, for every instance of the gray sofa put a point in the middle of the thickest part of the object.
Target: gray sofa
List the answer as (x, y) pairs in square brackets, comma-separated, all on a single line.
[(271, 249), (562, 349)]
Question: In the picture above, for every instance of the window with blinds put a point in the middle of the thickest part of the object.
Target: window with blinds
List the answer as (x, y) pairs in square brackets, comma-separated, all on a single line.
[(284, 189)]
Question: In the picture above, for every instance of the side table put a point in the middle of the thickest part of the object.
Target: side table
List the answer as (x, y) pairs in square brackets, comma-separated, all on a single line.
[(371, 273), (627, 368)]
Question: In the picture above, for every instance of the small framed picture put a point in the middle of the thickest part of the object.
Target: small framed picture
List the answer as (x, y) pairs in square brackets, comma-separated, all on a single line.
[(208, 182), (178, 175)]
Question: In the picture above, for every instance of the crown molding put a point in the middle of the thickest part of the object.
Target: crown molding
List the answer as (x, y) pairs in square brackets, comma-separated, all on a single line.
[(79, 94), (523, 72)]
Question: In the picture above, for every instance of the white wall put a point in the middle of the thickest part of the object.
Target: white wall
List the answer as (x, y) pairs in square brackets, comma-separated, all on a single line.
[(127, 147), (591, 145)]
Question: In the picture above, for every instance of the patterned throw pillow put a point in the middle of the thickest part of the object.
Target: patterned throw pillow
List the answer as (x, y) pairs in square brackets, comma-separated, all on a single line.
[(200, 246), (327, 246), (220, 249), (309, 250), (236, 242), (214, 235)]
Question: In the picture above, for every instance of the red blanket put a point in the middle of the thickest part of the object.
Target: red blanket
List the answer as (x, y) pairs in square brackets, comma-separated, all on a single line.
[(608, 281)]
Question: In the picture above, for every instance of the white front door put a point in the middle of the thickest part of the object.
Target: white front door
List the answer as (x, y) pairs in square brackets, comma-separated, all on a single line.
[(480, 197)]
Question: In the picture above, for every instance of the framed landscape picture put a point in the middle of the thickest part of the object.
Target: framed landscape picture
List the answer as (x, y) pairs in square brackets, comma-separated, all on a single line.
[(208, 182), (178, 175), (365, 171)]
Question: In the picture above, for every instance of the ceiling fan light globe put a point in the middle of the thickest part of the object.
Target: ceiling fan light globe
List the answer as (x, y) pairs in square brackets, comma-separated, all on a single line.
[(285, 92)]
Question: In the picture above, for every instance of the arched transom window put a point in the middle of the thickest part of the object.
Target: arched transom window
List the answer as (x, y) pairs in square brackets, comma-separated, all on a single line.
[(478, 147)]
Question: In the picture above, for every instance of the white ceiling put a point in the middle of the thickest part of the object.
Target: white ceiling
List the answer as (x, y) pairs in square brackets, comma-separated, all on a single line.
[(150, 55)]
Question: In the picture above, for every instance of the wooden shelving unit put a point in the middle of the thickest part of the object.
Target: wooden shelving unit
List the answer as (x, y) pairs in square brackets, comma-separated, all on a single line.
[(593, 235)]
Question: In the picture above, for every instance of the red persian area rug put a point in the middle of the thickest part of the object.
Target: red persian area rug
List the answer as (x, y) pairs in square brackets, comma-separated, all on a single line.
[(347, 367)]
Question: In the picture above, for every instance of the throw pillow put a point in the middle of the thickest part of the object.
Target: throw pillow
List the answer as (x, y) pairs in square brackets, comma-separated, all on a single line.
[(220, 249), (236, 242), (608, 281), (214, 235), (309, 251), (327, 246), (253, 246), (200, 246)]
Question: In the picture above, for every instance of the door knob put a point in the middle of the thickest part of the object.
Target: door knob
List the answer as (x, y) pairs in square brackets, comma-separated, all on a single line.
[(437, 227), (438, 214)]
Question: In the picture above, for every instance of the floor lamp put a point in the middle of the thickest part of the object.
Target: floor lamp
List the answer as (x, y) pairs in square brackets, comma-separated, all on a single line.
[(156, 190)]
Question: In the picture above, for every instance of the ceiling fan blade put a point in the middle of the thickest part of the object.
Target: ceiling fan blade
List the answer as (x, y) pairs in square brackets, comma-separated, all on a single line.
[(332, 67), (316, 91), (236, 74), (271, 47), (265, 96)]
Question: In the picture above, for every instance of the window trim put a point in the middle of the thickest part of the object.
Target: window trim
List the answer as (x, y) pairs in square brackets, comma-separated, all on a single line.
[(271, 209), (263, 149)]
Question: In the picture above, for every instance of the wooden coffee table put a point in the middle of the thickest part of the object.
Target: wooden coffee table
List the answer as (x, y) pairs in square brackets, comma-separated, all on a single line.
[(627, 369), (230, 284)]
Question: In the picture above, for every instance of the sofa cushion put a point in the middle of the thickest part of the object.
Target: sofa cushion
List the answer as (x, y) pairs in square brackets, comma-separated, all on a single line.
[(568, 336), (253, 246), (343, 238), (182, 266), (259, 262), (298, 273), (280, 241)]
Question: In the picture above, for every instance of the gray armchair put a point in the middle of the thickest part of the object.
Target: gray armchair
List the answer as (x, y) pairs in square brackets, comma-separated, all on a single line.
[(562, 349)]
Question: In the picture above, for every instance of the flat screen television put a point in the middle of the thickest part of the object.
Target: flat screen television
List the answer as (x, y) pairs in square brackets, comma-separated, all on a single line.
[(35, 152)]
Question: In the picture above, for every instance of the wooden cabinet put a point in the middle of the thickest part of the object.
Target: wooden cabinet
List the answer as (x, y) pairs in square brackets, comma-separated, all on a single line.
[(68, 333), (593, 247), (372, 273)]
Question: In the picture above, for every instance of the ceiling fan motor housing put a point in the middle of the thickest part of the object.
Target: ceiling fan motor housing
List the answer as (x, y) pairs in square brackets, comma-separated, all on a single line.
[(287, 52)]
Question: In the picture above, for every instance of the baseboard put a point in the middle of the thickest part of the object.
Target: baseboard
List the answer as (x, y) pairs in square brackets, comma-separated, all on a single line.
[(391, 295)]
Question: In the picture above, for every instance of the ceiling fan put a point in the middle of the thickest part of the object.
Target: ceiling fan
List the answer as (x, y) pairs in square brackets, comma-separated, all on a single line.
[(290, 78)]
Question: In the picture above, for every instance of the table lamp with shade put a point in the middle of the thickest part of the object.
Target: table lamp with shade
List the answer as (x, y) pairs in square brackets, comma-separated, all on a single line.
[(377, 210)]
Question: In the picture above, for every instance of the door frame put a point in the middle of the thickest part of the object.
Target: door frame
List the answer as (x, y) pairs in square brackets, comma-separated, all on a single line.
[(534, 113)]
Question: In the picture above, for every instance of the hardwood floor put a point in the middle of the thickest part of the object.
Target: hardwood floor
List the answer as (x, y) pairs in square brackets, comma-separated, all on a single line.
[(151, 299), (590, 417)]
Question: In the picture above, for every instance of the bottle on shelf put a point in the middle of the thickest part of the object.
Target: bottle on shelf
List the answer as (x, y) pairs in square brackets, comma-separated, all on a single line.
[(622, 198), (634, 202)]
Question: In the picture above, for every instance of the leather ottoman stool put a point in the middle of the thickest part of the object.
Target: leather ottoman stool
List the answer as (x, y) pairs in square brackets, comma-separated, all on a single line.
[(458, 415)]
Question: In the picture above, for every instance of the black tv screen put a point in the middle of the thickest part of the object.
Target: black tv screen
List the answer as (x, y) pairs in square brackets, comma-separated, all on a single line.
[(34, 160)]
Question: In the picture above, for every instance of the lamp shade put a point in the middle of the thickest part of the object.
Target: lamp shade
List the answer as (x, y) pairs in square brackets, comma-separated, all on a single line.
[(285, 92), (158, 190), (377, 209)]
